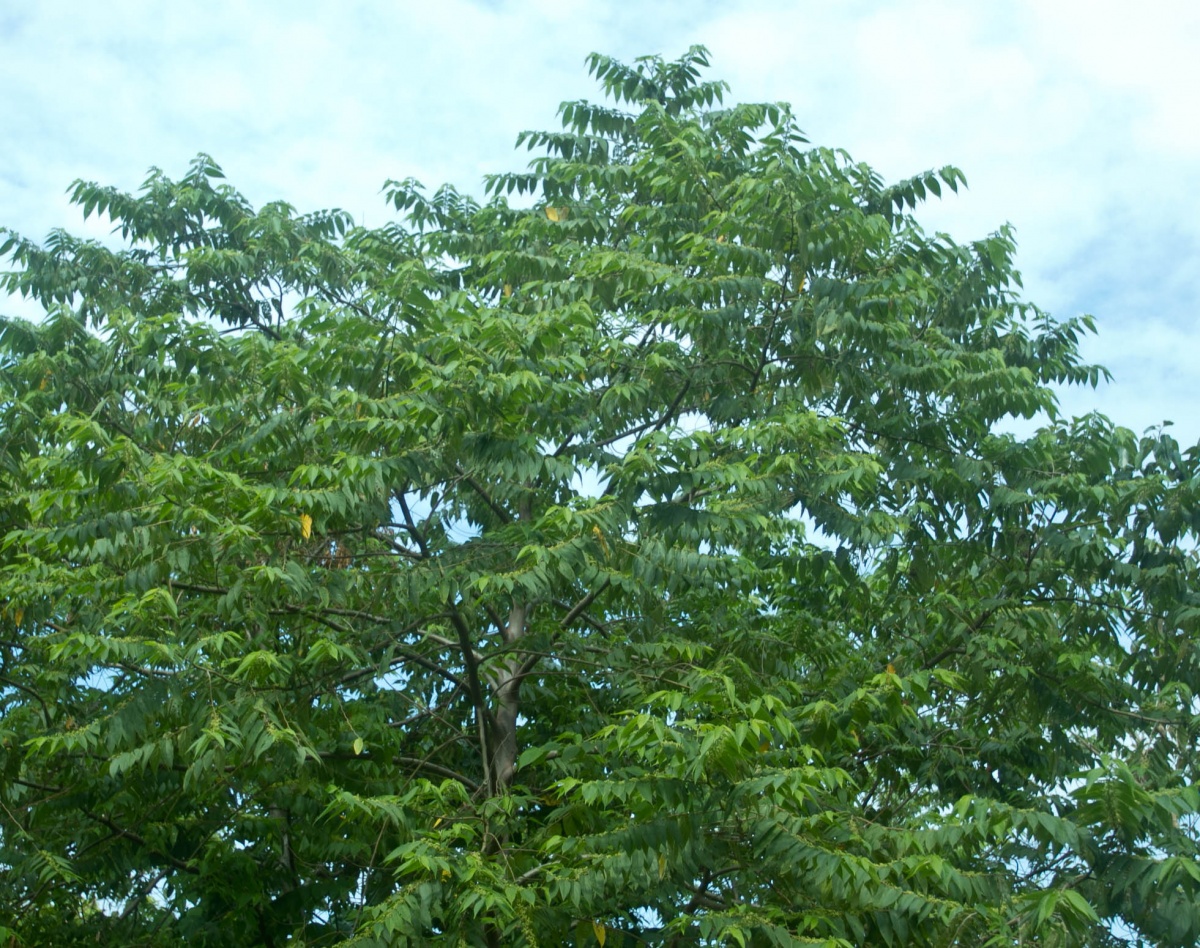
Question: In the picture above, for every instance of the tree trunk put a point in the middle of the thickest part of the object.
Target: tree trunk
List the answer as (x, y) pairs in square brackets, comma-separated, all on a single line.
[(506, 687)]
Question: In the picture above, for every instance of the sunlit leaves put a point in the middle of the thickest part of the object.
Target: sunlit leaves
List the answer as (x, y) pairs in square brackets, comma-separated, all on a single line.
[(642, 562)]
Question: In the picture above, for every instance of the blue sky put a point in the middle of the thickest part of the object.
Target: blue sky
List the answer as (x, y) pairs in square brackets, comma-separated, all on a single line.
[(1074, 121)]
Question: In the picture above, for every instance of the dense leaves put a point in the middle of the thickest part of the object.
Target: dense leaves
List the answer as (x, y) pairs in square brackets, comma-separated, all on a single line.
[(637, 557)]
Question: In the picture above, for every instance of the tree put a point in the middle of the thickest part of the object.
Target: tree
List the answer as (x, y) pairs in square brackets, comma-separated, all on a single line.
[(642, 562)]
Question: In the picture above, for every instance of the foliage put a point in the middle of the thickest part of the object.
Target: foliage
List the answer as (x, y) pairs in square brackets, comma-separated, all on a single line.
[(638, 561)]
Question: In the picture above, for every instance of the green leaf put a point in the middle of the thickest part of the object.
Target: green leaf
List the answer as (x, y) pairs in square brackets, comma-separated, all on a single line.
[(662, 538)]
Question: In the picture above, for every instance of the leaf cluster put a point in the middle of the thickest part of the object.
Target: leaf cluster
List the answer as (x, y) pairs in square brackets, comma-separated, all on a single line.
[(639, 562)]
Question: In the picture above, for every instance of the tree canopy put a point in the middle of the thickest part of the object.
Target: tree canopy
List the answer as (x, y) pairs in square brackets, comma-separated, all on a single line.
[(638, 556)]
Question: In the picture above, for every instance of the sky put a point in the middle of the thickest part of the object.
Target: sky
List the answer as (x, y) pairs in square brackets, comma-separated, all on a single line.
[(1074, 121)]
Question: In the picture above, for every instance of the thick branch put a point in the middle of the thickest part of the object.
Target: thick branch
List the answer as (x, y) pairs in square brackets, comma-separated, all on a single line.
[(504, 515), (410, 525), (507, 688), (483, 716), (140, 841)]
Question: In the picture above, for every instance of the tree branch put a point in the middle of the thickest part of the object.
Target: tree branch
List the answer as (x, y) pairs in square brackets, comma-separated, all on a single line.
[(139, 841), (504, 515)]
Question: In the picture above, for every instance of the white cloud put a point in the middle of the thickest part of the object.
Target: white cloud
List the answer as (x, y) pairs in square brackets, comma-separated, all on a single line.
[(1073, 120)]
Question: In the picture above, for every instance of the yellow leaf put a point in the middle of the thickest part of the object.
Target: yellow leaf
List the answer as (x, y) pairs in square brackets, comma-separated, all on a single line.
[(305, 526), (599, 535), (18, 616), (507, 290), (557, 214), (437, 822), (358, 745), (662, 865), (601, 934), (445, 875)]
